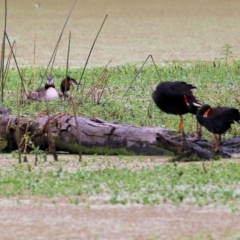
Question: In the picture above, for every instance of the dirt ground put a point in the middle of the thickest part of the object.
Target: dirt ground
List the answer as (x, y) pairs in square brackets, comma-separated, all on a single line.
[(169, 30), (42, 220), (56, 218)]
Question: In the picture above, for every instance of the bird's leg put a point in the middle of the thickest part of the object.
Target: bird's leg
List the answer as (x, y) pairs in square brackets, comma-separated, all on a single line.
[(181, 125), (199, 130), (220, 139), (181, 131), (216, 147)]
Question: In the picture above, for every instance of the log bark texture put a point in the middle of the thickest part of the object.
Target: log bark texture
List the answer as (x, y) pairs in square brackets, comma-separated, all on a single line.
[(67, 133)]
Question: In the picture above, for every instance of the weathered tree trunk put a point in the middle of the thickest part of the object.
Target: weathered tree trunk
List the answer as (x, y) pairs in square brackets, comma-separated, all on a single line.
[(101, 137)]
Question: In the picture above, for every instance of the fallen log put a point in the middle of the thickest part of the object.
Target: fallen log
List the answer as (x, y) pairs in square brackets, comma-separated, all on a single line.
[(94, 136)]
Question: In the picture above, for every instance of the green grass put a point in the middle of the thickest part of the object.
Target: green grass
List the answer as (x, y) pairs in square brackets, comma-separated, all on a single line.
[(215, 85), (162, 183), (165, 183)]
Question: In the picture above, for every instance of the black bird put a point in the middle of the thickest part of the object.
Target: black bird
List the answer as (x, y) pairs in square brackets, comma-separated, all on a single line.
[(67, 83), (217, 120), (176, 98)]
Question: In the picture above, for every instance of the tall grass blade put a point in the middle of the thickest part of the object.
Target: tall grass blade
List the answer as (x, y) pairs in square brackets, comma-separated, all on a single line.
[(59, 39), (68, 53), (8, 64), (20, 75), (139, 71), (34, 61), (18, 128), (90, 53), (78, 130), (3, 53)]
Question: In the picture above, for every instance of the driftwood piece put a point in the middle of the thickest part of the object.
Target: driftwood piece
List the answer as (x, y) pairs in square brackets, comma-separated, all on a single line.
[(98, 136)]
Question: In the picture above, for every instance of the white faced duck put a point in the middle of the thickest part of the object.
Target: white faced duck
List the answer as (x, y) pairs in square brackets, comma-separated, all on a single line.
[(46, 93)]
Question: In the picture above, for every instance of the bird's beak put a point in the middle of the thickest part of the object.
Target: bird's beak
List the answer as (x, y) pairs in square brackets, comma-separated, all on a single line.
[(74, 82), (196, 104)]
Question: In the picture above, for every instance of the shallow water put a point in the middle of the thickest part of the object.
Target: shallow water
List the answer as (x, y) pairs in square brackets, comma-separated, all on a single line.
[(169, 30)]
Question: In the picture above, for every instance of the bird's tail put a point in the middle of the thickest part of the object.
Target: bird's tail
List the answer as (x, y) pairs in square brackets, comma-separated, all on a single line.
[(230, 115)]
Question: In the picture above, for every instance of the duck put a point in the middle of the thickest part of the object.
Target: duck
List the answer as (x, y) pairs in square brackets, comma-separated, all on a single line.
[(217, 120), (176, 98), (46, 93), (66, 84)]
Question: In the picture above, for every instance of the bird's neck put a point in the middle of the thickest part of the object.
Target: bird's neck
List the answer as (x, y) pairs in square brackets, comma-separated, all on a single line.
[(48, 86)]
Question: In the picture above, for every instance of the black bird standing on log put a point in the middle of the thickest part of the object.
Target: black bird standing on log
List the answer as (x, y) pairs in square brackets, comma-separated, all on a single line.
[(176, 98), (217, 120)]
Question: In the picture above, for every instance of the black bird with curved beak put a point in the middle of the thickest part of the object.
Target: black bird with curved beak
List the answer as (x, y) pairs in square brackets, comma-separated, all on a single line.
[(176, 98), (67, 83), (217, 120)]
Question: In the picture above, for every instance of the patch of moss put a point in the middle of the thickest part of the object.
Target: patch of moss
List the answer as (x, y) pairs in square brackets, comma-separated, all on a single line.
[(186, 157), (107, 151), (99, 150)]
